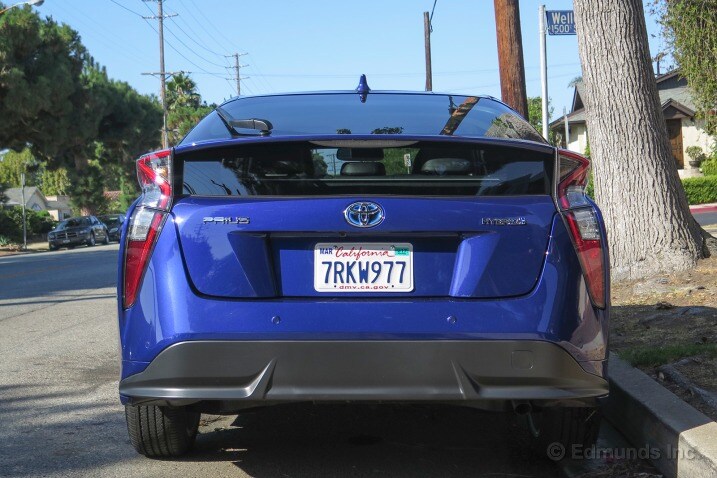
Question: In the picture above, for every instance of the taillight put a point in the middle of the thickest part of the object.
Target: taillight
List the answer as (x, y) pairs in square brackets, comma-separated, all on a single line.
[(582, 221), (154, 172), (155, 179)]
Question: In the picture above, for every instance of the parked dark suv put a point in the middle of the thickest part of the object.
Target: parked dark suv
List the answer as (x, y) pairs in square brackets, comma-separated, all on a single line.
[(114, 225), (76, 231)]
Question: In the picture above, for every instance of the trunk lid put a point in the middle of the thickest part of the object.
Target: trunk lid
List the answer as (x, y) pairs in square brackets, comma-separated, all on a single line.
[(454, 253)]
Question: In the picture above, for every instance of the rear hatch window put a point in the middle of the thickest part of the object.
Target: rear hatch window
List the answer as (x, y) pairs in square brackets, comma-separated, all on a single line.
[(419, 168)]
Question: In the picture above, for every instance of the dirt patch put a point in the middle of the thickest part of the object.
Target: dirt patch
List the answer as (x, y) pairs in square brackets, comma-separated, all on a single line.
[(665, 319)]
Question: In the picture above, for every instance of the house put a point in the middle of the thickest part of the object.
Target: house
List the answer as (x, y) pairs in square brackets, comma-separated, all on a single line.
[(677, 107), (58, 206)]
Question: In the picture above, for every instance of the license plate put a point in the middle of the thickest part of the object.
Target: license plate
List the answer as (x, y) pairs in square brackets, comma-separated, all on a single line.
[(65, 241), (363, 267)]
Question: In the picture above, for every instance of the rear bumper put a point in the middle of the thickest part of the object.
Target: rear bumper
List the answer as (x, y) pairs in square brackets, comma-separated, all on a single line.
[(242, 374)]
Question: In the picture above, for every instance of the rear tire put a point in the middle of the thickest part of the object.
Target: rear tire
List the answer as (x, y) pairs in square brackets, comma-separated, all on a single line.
[(91, 241), (107, 238), (562, 430), (161, 432)]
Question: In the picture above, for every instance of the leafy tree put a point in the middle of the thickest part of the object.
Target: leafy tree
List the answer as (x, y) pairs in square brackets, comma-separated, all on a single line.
[(320, 166), (690, 28), (53, 183), (535, 112), (39, 83), (13, 164), (57, 99), (535, 116), (182, 119), (184, 105), (182, 91)]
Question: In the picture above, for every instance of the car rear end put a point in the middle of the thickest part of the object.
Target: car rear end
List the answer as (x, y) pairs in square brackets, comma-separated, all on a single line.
[(360, 258)]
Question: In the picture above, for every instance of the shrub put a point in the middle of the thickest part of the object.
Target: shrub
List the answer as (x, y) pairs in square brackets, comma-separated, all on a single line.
[(696, 154), (9, 227), (709, 167), (38, 222), (701, 190), (590, 188)]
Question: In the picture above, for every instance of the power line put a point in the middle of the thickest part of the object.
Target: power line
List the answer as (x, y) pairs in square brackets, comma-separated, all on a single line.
[(128, 9), (201, 25), (195, 41), (101, 35), (192, 51), (219, 31), (259, 74), (169, 44)]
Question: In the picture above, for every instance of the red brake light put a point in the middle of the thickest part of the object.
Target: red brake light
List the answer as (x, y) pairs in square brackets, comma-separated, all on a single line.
[(582, 221), (142, 233), (155, 179)]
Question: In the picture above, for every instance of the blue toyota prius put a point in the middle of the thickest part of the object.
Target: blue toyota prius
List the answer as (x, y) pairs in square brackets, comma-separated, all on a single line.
[(362, 246)]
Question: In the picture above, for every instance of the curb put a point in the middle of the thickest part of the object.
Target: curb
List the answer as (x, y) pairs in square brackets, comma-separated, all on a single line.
[(682, 442), (703, 208)]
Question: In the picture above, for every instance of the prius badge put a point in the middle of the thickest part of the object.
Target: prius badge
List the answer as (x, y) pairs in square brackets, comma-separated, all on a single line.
[(226, 220)]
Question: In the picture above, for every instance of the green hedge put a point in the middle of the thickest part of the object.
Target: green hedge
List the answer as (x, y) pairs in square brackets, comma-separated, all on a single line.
[(701, 190), (709, 167)]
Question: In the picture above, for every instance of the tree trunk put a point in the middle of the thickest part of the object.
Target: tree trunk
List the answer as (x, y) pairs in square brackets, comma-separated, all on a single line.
[(510, 55), (650, 228)]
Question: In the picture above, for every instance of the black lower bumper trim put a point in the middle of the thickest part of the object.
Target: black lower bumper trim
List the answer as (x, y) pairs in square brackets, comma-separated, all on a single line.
[(277, 371)]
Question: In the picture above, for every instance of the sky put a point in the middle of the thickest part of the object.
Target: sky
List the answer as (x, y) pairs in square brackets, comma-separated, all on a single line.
[(318, 44)]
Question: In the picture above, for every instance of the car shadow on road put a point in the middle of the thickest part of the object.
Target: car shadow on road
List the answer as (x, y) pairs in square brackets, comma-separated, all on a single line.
[(43, 275), (361, 440), (62, 299)]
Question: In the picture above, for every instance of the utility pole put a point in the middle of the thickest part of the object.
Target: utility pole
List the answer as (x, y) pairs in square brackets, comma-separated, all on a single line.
[(162, 73), (237, 68), (510, 55), (24, 221), (427, 41)]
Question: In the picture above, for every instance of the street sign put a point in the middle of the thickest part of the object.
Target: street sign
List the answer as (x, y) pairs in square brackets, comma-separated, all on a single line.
[(560, 22)]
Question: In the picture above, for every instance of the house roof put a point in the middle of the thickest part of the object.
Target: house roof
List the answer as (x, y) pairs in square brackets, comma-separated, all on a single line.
[(14, 195), (576, 117), (675, 99), (674, 109), (578, 97), (58, 202)]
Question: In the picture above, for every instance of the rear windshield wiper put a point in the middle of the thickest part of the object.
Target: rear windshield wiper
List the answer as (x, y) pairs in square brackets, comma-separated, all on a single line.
[(263, 126)]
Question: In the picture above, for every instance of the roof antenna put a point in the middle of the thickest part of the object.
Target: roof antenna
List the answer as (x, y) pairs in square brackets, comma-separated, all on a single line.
[(363, 89)]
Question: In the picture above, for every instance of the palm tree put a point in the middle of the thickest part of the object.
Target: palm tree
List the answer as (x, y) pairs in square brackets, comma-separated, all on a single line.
[(182, 91)]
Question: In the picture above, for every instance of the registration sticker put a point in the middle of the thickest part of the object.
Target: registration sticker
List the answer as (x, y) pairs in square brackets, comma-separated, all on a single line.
[(363, 267)]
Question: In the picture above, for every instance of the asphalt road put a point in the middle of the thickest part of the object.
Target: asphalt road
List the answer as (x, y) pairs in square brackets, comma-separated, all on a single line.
[(60, 414)]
